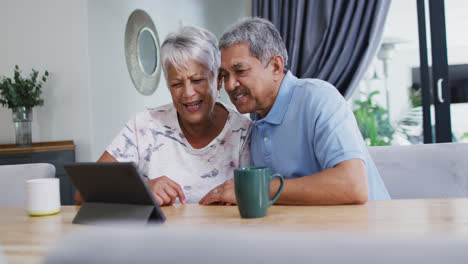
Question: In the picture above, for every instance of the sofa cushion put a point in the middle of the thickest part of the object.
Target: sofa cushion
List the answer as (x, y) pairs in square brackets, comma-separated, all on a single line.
[(423, 171)]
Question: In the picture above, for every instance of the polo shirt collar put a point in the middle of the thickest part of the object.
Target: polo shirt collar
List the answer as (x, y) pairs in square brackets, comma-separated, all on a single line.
[(280, 106)]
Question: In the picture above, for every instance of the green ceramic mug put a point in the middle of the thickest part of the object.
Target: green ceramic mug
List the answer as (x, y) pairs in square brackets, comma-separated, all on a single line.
[(252, 186)]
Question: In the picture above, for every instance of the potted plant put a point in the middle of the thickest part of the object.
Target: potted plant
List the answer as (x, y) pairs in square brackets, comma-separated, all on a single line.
[(21, 95), (373, 121)]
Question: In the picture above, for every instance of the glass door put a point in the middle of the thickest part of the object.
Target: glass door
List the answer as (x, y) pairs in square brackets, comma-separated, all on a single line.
[(444, 69)]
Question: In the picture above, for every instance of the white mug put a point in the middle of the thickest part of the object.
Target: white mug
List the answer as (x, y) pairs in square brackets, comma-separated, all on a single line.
[(42, 196)]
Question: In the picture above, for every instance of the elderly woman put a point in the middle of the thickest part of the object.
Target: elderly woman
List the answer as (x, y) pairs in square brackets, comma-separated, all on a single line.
[(187, 148)]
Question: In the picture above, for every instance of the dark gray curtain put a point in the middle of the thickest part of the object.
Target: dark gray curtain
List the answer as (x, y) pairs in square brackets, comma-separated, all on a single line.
[(332, 40)]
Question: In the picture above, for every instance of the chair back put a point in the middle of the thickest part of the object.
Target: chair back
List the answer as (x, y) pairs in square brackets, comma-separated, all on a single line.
[(424, 170), (13, 177)]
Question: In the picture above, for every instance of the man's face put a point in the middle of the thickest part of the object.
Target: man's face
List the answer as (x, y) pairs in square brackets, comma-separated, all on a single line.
[(248, 83)]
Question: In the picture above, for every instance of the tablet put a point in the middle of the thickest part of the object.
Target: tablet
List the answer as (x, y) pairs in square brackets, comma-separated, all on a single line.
[(112, 183)]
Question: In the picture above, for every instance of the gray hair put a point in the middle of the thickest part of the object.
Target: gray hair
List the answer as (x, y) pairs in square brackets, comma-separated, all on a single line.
[(191, 43), (262, 36)]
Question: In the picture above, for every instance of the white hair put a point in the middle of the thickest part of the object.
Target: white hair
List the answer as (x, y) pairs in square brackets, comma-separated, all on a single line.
[(191, 43), (263, 39)]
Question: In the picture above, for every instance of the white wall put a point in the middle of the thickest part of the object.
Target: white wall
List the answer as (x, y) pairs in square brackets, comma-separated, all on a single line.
[(114, 99), (89, 95), (49, 35)]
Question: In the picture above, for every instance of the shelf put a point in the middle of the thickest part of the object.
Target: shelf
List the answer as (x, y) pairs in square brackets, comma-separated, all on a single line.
[(38, 147)]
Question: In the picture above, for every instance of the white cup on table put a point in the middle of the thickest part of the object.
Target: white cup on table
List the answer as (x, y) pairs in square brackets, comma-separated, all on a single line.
[(42, 196)]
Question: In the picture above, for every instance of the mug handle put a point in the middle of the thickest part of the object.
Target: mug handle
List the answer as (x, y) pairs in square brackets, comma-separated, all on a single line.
[(280, 188)]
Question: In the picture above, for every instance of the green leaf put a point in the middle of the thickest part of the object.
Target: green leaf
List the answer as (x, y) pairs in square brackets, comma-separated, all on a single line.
[(20, 91), (465, 135), (373, 122)]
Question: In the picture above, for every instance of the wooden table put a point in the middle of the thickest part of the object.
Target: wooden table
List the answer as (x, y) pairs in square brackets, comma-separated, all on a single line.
[(26, 239)]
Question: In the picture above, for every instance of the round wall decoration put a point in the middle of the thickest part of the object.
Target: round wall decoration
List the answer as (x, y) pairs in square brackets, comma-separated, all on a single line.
[(142, 52)]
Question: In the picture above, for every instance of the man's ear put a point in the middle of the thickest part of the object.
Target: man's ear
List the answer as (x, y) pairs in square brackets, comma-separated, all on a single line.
[(277, 64)]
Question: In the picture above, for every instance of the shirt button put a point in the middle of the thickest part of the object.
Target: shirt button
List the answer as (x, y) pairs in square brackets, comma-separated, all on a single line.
[(265, 138)]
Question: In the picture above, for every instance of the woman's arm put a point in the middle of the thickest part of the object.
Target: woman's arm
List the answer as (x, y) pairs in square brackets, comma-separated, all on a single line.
[(106, 157)]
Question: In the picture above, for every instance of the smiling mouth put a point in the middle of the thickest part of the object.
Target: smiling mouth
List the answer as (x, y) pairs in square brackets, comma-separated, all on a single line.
[(238, 95), (193, 106)]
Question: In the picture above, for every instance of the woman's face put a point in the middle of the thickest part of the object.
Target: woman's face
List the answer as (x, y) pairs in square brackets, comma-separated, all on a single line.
[(193, 91)]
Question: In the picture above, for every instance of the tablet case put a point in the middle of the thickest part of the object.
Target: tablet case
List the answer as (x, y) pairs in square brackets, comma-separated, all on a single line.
[(113, 193)]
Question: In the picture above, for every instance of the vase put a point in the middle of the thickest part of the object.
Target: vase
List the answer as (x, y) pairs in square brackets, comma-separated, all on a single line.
[(22, 117)]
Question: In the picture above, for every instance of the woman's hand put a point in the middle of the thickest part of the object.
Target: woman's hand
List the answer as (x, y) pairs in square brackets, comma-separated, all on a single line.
[(166, 191), (222, 194), (78, 198)]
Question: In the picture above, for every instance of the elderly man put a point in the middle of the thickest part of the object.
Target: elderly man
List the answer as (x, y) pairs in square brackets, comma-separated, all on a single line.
[(302, 128)]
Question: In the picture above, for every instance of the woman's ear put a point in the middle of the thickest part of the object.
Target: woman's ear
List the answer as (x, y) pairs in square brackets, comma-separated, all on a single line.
[(220, 81)]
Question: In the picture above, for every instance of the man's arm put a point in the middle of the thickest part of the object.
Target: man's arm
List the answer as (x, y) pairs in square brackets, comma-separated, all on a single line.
[(346, 183)]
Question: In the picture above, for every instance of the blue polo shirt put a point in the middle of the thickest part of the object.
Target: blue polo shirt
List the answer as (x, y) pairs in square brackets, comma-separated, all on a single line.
[(309, 129)]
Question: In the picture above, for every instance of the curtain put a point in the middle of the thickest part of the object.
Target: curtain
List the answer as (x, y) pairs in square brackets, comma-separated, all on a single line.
[(332, 40)]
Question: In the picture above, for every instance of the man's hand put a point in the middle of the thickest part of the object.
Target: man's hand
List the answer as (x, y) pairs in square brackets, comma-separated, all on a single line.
[(222, 194), (166, 191)]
